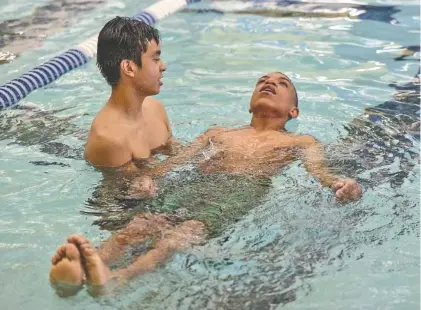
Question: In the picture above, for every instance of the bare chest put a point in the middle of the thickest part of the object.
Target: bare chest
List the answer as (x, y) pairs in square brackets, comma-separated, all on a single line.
[(256, 147), (144, 141)]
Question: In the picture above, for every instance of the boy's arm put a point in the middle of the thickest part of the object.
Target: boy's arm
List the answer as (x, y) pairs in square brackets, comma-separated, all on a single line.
[(173, 146), (186, 153), (314, 161)]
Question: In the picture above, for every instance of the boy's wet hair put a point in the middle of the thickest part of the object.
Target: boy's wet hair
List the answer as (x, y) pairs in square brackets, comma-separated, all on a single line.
[(122, 38)]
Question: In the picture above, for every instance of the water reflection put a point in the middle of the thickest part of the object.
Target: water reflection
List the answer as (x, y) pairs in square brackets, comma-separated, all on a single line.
[(20, 35)]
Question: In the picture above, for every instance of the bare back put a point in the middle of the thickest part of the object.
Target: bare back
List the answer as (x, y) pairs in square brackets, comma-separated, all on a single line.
[(115, 140)]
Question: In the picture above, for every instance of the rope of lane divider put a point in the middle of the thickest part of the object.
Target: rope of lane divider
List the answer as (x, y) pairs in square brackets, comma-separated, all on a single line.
[(14, 91)]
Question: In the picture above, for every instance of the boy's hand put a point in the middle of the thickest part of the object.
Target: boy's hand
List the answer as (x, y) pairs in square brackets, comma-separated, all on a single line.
[(346, 189)]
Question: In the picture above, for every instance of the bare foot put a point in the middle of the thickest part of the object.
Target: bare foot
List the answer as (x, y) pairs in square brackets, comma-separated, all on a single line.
[(66, 273), (97, 273), (187, 234)]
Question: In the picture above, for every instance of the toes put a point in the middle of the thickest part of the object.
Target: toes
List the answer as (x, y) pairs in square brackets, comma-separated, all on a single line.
[(86, 249), (68, 251), (78, 240), (83, 244), (61, 251), (72, 253)]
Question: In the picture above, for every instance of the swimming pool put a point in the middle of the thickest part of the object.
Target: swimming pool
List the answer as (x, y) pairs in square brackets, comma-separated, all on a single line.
[(298, 248)]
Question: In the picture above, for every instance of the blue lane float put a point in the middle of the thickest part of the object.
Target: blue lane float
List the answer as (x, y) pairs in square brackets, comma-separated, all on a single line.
[(14, 91)]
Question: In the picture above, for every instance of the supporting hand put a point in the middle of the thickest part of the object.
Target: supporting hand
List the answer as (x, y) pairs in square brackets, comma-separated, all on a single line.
[(346, 189)]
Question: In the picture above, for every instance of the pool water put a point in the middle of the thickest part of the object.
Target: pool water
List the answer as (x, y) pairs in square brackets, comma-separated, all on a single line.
[(298, 249)]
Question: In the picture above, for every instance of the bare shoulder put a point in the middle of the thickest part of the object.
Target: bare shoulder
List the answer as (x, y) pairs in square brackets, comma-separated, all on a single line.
[(305, 140), (155, 109), (104, 146), (154, 105), (107, 125)]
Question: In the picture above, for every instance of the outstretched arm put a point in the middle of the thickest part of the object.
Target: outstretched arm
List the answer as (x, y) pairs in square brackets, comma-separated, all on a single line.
[(187, 153), (314, 161), (183, 156)]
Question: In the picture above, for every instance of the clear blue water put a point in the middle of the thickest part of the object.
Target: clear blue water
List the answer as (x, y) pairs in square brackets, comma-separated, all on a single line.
[(298, 249)]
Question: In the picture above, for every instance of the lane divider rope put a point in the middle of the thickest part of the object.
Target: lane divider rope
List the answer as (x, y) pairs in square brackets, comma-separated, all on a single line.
[(12, 92)]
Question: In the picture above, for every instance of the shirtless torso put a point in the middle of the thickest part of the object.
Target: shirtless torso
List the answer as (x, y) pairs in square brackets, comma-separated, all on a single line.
[(247, 151), (115, 140)]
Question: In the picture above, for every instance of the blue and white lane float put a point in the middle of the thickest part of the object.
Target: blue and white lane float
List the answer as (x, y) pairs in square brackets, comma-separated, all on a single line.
[(17, 89)]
